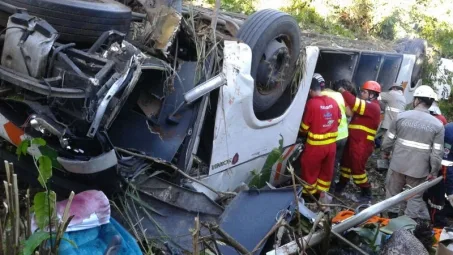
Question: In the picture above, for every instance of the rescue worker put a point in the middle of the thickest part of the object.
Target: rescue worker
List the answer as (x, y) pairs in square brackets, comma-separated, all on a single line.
[(435, 196), (439, 198), (392, 103), (435, 111), (362, 129), (320, 124), (415, 139), (342, 128)]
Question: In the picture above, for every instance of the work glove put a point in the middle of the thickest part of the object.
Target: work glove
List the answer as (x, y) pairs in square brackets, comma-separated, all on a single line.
[(450, 199)]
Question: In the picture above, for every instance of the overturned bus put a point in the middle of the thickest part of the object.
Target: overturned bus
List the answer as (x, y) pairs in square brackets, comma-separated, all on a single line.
[(115, 112)]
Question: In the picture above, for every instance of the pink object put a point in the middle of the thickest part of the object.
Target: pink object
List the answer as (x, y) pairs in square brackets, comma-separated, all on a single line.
[(90, 209)]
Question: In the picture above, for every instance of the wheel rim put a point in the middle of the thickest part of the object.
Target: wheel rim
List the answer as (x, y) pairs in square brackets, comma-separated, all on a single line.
[(272, 67)]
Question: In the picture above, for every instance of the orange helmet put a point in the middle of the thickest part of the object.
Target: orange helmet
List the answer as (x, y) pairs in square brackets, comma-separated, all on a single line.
[(372, 85)]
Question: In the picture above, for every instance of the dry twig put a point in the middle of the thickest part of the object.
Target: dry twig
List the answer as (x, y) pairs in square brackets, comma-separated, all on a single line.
[(195, 236), (227, 238)]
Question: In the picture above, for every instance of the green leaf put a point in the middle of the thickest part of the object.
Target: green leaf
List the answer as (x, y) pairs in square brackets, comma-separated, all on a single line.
[(45, 170), (259, 180), (38, 141), (22, 148), (34, 241), (43, 209), (71, 242)]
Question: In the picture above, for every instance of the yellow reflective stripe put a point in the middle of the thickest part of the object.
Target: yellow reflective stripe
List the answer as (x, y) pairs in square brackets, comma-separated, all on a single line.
[(345, 175), (362, 108), (370, 137), (322, 136), (309, 189), (323, 182), (347, 170), (356, 105), (359, 176), (308, 186), (361, 181), (305, 126), (323, 188), (323, 142), (360, 127)]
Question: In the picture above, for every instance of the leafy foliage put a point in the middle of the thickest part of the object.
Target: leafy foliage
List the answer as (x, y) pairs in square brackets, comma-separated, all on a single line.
[(34, 241), (239, 6), (44, 206), (44, 203), (309, 19), (45, 170), (259, 179)]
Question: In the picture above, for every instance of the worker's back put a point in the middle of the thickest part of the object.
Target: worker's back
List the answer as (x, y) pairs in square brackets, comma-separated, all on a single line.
[(417, 134), (394, 102), (321, 119)]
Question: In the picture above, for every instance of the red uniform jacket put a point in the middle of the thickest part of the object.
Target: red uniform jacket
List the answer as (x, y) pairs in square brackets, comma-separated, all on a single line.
[(321, 119), (366, 118)]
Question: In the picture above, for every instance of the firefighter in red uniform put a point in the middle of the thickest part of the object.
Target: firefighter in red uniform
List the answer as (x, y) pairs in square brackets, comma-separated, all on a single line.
[(320, 123), (362, 130)]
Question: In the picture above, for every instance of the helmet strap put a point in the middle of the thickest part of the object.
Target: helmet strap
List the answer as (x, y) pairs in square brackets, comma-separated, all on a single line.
[(414, 104)]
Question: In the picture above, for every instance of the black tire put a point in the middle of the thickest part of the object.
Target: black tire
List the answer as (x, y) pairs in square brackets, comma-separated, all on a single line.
[(416, 47), (80, 21), (258, 31)]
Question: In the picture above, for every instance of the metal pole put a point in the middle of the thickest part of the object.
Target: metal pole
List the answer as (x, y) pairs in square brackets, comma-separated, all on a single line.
[(204, 88), (291, 248)]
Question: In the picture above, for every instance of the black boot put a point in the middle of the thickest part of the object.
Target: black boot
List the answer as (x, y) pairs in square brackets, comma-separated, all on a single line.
[(365, 195)]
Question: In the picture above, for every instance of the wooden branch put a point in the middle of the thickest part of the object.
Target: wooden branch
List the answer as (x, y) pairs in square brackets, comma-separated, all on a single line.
[(273, 229), (27, 204), (318, 219), (64, 224), (299, 232), (16, 208), (349, 243), (229, 240), (195, 236)]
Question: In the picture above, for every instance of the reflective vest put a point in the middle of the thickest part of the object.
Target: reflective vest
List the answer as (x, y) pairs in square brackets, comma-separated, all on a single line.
[(343, 127)]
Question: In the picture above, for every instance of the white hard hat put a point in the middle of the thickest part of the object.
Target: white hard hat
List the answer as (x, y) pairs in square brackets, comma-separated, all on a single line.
[(435, 109), (424, 91), (319, 77), (436, 98)]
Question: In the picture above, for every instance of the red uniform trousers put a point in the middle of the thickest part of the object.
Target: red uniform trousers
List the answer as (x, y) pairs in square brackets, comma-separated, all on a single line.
[(355, 157), (317, 163)]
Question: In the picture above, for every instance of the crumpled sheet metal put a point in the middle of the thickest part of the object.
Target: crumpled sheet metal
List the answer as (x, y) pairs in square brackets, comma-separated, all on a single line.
[(251, 214), (162, 27), (132, 130)]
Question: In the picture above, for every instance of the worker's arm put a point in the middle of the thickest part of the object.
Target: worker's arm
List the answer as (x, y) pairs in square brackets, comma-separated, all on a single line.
[(307, 118), (356, 104), (384, 97), (437, 152), (389, 138)]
